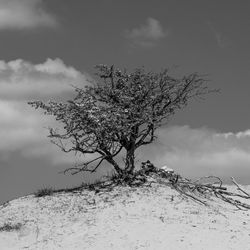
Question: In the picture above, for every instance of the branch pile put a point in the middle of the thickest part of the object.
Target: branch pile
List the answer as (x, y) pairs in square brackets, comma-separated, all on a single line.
[(200, 190)]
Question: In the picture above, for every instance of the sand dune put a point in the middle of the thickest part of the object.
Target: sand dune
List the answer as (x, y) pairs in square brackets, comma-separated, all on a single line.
[(125, 218)]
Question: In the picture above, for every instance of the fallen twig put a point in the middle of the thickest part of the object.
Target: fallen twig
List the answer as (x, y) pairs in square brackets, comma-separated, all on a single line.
[(239, 188)]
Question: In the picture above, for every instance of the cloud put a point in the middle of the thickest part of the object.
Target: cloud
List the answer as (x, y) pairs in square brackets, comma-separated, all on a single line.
[(22, 80), (201, 151), (22, 129), (146, 35), (19, 128), (22, 14)]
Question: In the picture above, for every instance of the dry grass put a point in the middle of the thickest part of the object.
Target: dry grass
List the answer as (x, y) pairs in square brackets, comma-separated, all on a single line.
[(47, 191)]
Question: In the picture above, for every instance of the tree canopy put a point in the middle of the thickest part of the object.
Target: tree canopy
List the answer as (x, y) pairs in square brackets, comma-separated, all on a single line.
[(120, 111)]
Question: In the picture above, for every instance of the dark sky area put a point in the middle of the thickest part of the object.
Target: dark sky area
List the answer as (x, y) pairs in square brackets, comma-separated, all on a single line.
[(45, 45)]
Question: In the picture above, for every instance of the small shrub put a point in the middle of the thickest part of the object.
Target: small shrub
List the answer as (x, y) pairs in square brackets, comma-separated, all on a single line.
[(44, 192), (8, 227)]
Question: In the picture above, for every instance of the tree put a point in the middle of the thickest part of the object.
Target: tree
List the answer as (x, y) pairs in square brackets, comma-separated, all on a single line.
[(119, 112)]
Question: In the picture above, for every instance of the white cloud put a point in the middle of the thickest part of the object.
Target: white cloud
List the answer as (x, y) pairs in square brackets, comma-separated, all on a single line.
[(201, 151), (148, 34), (23, 129), (20, 14), (243, 134), (23, 80), (18, 127), (57, 66)]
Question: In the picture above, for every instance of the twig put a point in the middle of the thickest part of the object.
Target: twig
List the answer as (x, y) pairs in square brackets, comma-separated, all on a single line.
[(189, 195), (208, 177), (239, 188)]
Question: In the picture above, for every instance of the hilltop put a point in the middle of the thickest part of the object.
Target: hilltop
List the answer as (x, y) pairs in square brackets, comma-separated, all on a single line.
[(144, 217)]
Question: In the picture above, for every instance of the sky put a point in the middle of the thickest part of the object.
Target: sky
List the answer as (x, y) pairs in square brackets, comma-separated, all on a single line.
[(48, 46)]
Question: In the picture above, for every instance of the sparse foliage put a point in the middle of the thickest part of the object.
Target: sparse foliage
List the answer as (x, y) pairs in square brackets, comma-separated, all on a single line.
[(120, 112)]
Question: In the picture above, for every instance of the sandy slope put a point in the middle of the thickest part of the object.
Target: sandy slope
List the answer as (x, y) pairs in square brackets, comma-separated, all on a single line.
[(126, 218)]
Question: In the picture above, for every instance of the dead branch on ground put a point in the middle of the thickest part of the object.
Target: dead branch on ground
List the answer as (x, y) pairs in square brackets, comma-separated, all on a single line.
[(200, 190)]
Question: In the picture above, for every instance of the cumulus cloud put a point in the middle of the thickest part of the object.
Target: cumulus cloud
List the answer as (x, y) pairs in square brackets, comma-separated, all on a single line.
[(21, 14), (19, 128), (23, 129), (146, 35), (201, 151), (23, 80)]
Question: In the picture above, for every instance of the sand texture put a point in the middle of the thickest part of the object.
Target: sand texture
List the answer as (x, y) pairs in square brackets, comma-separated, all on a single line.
[(125, 218)]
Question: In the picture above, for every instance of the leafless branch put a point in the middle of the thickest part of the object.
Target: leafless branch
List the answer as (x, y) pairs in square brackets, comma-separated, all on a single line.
[(239, 188)]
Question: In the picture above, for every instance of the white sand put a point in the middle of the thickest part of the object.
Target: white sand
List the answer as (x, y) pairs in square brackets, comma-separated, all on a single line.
[(127, 218)]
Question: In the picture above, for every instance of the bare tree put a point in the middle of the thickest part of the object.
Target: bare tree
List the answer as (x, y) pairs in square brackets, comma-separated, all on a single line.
[(119, 112)]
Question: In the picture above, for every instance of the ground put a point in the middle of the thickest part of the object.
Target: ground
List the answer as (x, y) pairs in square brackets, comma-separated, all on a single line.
[(154, 217)]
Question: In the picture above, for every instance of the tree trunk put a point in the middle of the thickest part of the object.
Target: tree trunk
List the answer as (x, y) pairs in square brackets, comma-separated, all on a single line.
[(130, 147), (115, 165), (130, 161)]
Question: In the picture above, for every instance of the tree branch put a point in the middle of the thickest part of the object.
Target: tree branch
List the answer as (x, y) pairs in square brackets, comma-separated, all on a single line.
[(239, 188), (84, 168), (141, 140)]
